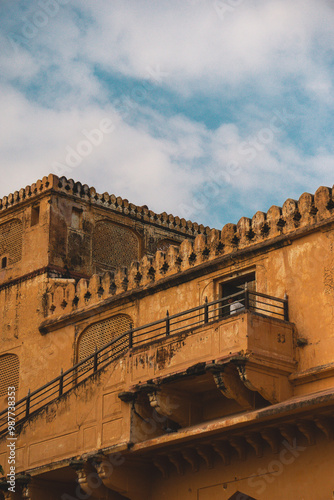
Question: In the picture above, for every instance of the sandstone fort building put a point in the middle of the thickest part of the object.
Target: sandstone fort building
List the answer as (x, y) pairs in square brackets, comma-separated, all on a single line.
[(136, 379)]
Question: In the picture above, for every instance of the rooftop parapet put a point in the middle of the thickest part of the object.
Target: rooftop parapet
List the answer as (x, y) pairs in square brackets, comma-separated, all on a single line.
[(295, 217), (105, 200)]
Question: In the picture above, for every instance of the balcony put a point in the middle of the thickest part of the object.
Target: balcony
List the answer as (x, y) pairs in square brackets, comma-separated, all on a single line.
[(204, 364), (213, 359)]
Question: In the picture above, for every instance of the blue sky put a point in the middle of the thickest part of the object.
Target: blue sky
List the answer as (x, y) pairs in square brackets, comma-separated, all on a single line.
[(206, 109)]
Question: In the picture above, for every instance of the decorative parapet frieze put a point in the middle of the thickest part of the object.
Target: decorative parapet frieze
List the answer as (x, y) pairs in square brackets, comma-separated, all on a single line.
[(29, 192), (117, 204), (295, 215)]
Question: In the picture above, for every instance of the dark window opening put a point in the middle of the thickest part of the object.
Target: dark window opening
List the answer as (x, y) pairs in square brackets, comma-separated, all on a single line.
[(35, 215), (3, 262), (76, 222), (236, 286)]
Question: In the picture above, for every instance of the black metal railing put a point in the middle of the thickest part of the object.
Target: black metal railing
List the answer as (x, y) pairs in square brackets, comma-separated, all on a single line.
[(219, 309)]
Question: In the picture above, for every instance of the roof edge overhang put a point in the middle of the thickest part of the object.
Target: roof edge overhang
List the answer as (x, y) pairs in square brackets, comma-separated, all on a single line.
[(296, 408)]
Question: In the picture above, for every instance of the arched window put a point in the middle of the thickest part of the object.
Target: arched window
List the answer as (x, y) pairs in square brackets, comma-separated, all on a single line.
[(114, 246), (9, 369), (101, 333), (11, 241)]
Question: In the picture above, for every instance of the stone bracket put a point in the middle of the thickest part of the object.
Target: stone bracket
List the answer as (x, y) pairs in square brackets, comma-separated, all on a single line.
[(229, 383), (239, 444), (161, 463), (255, 440), (206, 453), (192, 458), (272, 437), (273, 385), (96, 489), (223, 449), (325, 424), (172, 404)]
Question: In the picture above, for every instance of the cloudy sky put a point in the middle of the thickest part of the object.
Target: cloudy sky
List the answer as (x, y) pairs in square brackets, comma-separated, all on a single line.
[(207, 109)]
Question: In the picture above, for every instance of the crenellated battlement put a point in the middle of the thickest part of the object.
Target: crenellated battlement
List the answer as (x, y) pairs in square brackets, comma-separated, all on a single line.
[(293, 216), (29, 192), (105, 200)]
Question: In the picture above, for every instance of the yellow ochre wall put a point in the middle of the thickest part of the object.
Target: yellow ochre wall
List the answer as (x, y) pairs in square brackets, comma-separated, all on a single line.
[(40, 324)]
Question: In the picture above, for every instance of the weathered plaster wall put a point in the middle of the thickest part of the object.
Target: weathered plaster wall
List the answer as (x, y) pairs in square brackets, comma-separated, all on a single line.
[(88, 419), (35, 239), (22, 311)]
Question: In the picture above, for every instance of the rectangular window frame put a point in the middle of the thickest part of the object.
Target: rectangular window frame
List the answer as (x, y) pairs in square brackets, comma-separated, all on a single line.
[(77, 218), (233, 283), (35, 215)]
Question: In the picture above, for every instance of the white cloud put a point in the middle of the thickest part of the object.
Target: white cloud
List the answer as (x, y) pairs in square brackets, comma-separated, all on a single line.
[(199, 45), (129, 160), (16, 63), (51, 92), (195, 45), (159, 171)]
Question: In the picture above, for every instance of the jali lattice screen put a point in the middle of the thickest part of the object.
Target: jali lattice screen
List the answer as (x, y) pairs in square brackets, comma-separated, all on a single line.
[(11, 240), (101, 333), (114, 245), (9, 372)]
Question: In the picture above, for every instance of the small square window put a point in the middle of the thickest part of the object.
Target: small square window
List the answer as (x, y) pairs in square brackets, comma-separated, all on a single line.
[(34, 215), (4, 262)]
